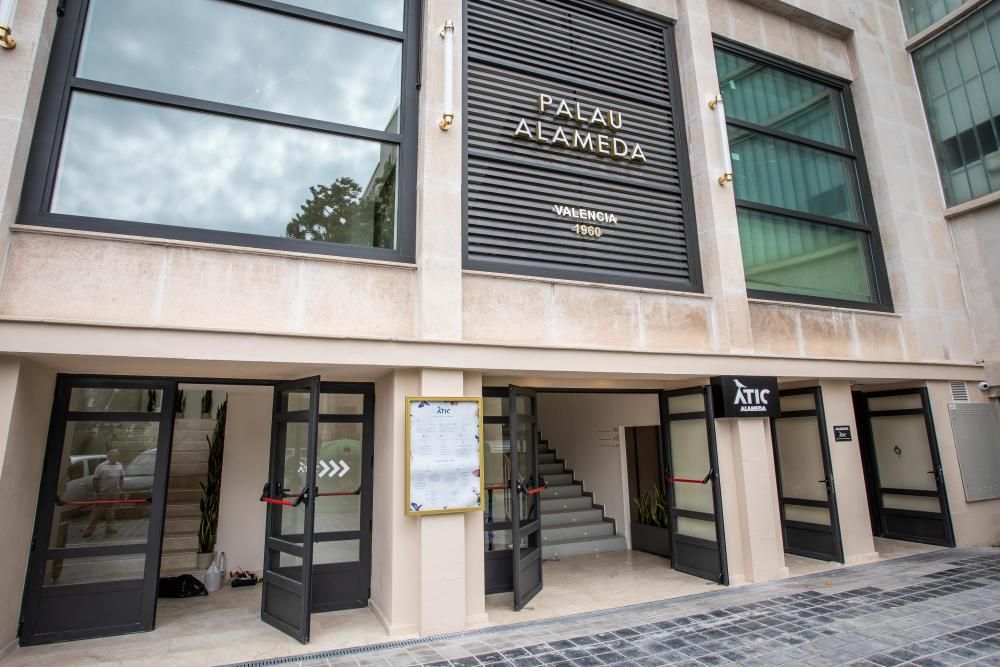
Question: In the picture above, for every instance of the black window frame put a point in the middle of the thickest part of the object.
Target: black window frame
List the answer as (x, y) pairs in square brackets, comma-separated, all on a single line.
[(61, 82), (877, 273)]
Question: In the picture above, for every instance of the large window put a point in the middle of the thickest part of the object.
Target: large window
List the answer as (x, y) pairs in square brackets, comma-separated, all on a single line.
[(959, 74), (807, 231), (284, 125)]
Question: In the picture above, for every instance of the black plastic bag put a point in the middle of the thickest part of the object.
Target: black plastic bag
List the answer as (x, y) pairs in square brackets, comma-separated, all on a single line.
[(184, 586)]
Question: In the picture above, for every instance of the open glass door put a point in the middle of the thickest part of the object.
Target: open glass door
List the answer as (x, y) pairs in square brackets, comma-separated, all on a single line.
[(806, 494), (905, 464), (95, 556), (289, 493), (526, 524), (697, 540)]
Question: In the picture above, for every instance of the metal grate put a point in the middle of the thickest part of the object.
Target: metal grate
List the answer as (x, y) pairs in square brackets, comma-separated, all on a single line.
[(959, 391), (602, 57)]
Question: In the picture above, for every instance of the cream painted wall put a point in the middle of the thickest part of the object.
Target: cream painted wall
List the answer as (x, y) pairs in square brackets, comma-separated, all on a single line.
[(581, 428), (244, 471), (26, 392), (977, 242), (976, 523)]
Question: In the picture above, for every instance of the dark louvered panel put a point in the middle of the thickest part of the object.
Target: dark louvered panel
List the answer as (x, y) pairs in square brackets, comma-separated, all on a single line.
[(543, 183)]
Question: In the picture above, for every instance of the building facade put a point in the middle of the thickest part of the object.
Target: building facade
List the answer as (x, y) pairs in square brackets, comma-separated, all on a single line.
[(597, 216)]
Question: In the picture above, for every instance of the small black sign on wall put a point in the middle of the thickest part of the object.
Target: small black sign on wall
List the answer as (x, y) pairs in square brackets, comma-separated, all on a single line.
[(842, 433), (745, 396)]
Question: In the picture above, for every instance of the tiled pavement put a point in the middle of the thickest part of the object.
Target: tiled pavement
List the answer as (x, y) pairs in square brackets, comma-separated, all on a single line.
[(941, 608)]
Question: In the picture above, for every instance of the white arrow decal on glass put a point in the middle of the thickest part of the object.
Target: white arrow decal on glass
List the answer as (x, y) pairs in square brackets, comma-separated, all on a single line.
[(324, 468), (345, 469)]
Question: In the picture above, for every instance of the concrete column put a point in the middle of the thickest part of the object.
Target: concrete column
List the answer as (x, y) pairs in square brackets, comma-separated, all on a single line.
[(715, 206), (395, 598), (848, 475), (444, 544), (438, 309), (750, 500), (26, 392)]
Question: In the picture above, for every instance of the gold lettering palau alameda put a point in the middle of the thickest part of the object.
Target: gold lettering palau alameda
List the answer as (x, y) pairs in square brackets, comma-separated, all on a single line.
[(588, 141)]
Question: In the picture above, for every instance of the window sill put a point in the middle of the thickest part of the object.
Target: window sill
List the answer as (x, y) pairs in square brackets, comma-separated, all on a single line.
[(943, 24), (817, 306), (176, 243), (986, 201)]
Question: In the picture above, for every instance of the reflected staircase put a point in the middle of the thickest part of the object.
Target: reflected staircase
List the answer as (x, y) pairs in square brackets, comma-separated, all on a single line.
[(188, 469), (572, 523)]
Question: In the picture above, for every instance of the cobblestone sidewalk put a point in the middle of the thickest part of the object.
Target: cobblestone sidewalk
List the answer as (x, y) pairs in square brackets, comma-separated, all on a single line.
[(941, 608)]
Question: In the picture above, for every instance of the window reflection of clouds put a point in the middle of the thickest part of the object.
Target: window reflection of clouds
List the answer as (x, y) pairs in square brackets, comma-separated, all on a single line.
[(132, 161), (207, 49), (386, 13)]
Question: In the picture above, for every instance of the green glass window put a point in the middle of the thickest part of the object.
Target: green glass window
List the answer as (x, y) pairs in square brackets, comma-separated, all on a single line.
[(959, 75), (806, 230), (921, 14)]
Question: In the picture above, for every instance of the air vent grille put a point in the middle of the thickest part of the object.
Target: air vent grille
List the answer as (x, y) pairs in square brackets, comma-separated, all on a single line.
[(959, 392)]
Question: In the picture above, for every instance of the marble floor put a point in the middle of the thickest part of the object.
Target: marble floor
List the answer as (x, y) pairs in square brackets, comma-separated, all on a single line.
[(225, 627)]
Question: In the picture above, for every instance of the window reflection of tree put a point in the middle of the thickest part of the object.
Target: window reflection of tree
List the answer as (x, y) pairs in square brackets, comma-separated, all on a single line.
[(342, 213)]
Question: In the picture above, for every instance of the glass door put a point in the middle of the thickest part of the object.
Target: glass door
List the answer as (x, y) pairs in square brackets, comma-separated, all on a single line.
[(908, 482), (496, 483), (290, 496), (95, 556), (692, 475), (806, 494), (526, 524)]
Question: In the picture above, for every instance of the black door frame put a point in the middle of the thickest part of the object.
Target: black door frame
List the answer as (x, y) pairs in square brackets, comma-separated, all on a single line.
[(143, 592), (43, 514), (274, 581), (532, 561), (798, 535), (718, 571), (883, 514)]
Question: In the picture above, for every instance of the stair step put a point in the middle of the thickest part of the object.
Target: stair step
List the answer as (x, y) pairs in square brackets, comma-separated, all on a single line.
[(548, 457), (181, 562), (556, 534), (584, 546), (559, 479), (189, 446), (566, 503), (552, 519), (551, 468), (188, 457), (564, 491), (180, 543), (181, 509), (181, 525), (182, 481), (183, 495), (188, 470)]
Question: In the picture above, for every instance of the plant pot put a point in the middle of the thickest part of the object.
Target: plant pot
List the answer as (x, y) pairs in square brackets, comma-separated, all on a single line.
[(651, 539), (206, 559)]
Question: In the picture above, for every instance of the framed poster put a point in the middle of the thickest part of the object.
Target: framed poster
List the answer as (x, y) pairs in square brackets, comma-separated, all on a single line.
[(444, 455)]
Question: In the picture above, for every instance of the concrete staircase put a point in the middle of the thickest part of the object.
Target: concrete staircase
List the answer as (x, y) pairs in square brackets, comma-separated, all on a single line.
[(188, 469), (572, 524)]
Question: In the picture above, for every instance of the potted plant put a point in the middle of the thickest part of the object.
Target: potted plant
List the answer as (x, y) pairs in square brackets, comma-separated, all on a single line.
[(211, 489), (651, 533), (206, 405)]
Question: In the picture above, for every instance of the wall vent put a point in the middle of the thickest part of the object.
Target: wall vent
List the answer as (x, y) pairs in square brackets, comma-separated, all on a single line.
[(959, 392)]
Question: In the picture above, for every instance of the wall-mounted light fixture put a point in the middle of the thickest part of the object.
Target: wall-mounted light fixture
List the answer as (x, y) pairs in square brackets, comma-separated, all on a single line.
[(448, 99), (7, 23), (718, 107)]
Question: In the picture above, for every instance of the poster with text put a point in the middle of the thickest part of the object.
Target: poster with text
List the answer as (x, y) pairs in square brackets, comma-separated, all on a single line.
[(443, 455)]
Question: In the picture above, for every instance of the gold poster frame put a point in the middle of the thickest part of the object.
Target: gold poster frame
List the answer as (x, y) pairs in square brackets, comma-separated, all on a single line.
[(478, 400)]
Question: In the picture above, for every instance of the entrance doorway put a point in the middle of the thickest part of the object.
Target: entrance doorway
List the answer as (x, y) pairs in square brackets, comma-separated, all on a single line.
[(907, 496), (105, 500), (806, 494), (579, 487)]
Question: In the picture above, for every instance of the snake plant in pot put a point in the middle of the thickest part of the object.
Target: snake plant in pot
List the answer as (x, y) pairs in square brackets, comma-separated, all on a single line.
[(651, 533), (211, 489)]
